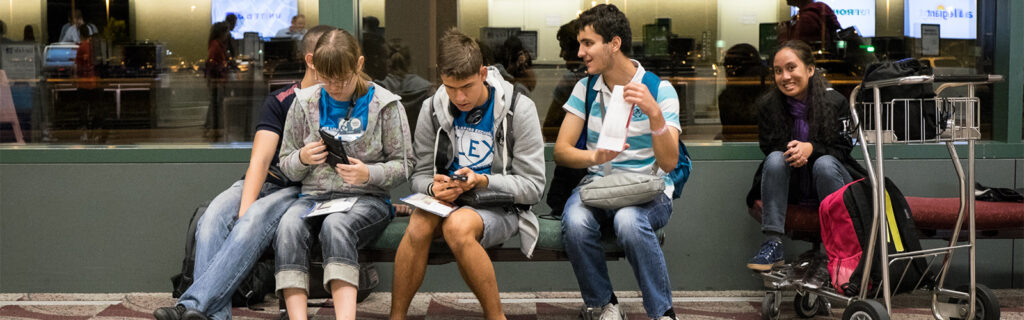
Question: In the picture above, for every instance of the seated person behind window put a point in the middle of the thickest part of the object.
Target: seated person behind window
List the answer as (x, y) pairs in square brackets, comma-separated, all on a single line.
[(240, 222), (802, 126), (459, 132), (296, 30), (518, 62), (375, 48), (371, 123), (815, 23), (745, 81), (575, 70), (652, 148), (413, 88)]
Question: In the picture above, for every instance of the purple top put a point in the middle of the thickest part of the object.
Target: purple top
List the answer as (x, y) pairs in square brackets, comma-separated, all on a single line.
[(801, 128)]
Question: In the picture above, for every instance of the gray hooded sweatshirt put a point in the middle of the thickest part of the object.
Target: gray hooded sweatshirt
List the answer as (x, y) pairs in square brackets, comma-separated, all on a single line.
[(384, 147), (524, 178)]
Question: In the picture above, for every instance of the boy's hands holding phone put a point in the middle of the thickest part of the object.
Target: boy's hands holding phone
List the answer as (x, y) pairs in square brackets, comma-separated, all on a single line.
[(445, 188), (469, 179)]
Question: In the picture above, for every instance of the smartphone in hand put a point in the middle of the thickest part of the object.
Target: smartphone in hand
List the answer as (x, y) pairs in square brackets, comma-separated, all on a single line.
[(335, 148)]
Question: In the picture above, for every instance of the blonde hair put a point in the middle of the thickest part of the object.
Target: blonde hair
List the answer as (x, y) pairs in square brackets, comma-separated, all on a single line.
[(337, 56)]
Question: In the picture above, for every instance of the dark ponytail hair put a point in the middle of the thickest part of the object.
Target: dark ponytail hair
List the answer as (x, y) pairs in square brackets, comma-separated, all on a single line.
[(775, 105)]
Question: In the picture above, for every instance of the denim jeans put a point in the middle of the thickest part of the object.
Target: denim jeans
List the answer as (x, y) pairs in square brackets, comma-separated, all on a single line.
[(227, 247), (827, 176), (634, 228), (341, 235)]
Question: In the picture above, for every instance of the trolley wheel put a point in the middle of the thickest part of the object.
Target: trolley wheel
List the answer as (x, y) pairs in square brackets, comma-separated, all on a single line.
[(866, 310), (986, 306), (770, 305), (808, 305)]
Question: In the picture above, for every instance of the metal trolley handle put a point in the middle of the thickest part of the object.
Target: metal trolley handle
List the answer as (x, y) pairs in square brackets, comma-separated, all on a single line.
[(965, 79)]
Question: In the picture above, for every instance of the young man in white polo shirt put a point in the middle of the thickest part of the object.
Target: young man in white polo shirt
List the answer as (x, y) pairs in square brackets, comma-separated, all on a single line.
[(651, 146)]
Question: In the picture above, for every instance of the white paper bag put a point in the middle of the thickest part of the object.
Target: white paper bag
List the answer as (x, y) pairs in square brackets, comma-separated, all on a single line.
[(615, 123)]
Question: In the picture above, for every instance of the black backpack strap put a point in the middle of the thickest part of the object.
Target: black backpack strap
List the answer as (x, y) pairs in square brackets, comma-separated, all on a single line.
[(508, 142)]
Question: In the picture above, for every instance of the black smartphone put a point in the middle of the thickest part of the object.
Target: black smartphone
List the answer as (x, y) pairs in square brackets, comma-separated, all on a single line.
[(459, 177), (335, 149)]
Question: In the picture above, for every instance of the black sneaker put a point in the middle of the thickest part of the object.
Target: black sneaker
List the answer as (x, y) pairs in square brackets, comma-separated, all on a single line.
[(169, 313), (191, 314)]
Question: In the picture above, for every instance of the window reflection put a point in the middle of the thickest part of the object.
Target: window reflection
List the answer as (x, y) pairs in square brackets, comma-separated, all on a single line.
[(159, 74)]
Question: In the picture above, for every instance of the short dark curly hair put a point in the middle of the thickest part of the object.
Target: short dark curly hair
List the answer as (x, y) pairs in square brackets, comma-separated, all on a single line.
[(609, 22)]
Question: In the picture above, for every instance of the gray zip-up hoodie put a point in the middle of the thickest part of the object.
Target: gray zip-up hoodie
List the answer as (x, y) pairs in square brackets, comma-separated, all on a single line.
[(385, 147), (524, 178)]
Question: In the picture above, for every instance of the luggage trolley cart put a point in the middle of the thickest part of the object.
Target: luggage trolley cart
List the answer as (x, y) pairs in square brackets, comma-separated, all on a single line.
[(955, 119)]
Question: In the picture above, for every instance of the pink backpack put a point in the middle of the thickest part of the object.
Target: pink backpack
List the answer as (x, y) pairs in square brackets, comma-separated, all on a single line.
[(839, 238), (846, 216)]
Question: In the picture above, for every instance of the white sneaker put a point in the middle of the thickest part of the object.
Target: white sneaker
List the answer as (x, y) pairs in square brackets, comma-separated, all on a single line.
[(667, 318), (611, 312)]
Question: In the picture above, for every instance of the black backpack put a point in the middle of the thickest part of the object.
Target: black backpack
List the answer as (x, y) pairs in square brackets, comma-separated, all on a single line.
[(257, 284), (566, 179), (859, 204), (915, 119)]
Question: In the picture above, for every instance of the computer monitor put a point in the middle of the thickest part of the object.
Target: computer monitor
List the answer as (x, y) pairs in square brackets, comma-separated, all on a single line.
[(529, 40), (280, 49), (58, 56), (494, 38), (142, 59)]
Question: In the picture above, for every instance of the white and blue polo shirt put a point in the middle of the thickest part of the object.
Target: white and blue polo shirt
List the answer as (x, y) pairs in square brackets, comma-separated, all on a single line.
[(639, 158)]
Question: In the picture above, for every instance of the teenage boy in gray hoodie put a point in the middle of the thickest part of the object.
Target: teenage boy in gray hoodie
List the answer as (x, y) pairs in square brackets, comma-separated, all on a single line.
[(471, 128)]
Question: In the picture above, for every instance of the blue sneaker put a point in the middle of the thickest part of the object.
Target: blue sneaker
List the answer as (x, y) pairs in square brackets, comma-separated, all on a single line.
[(769, 256)]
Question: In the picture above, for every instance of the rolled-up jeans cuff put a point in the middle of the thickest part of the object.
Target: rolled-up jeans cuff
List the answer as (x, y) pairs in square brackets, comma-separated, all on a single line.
[(340, 271), (292, 279)]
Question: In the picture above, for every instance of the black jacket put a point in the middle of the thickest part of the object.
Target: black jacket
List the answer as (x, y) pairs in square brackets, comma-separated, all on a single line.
[(829, 136)]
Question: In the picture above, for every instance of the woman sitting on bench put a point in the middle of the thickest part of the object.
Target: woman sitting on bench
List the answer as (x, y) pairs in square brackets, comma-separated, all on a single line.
[(802, 131), (344, 139)]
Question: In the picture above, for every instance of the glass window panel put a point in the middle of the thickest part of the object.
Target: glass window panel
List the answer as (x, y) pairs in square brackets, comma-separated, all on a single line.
[(151, 79)]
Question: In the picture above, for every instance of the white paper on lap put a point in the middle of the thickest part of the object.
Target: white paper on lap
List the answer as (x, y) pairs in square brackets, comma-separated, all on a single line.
[(429, 204), (332, 206)]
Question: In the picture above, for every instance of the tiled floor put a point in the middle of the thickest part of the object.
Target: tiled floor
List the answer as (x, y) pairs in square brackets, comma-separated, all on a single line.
[(543, 305)]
